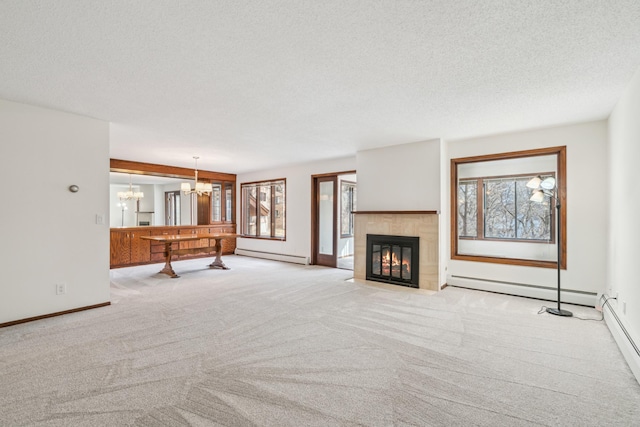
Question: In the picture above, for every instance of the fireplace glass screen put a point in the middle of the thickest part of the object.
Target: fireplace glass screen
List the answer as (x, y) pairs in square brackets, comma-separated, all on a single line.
[(393, 259)]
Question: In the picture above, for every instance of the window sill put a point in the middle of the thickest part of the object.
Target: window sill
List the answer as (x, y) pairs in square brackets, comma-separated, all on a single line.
[(279, 239), (508, 261)]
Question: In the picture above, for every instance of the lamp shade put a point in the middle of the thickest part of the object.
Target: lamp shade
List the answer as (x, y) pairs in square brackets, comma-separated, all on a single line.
[(534, 182), (548, 183), (537, 196)]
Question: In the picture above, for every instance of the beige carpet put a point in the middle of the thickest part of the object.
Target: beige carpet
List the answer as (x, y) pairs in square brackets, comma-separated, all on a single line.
[(276, 344)]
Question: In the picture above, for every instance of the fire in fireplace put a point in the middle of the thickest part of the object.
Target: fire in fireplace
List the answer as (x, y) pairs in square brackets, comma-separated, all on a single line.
[(393, 259)]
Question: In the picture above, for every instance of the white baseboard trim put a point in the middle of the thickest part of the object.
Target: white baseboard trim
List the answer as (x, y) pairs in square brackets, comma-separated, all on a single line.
[(625, 343), (296, 259), (524, 290)]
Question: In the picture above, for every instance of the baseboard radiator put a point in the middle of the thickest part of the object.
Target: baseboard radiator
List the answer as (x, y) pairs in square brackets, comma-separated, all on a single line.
[(296, 259), (626, 344), (524, 290)]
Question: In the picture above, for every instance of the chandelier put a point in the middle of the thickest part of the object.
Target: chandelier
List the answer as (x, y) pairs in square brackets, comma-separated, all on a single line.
[(130, 195), (200, 188)]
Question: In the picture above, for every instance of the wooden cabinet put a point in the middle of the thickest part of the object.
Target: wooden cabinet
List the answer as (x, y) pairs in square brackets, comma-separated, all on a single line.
[(140, 248), (120, 248), (127, 248)]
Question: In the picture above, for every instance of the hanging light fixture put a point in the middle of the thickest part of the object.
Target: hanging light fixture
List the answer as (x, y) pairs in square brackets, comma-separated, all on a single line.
[(200, 188), (130, 195)]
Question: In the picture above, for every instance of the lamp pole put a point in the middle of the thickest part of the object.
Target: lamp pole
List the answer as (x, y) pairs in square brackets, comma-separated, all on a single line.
[(558, 311), (549, 187)]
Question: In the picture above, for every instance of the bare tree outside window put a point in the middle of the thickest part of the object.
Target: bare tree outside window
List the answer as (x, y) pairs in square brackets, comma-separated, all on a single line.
[(468, 208), (534, 220), (499, 209), (508, 213), (347, 206)]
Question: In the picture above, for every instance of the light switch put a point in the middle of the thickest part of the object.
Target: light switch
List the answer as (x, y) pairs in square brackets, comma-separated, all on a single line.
[(100, 219)]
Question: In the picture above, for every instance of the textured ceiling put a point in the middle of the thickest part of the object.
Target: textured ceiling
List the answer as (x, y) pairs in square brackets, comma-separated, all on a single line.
[(248, 85)]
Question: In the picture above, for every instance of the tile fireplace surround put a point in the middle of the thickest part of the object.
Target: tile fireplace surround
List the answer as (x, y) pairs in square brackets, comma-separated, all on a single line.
[(422, 224)]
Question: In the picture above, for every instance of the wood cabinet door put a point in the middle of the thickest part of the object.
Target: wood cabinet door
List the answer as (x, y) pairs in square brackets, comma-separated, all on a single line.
[(120, 248), (140, 248)]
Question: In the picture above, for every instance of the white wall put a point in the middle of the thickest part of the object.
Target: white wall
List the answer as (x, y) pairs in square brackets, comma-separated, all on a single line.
[(147, 202), (158, 205), (117, 219), (586, 217), (624, 210), (400, 177), (50, 235), (298, 205), (443, 223)]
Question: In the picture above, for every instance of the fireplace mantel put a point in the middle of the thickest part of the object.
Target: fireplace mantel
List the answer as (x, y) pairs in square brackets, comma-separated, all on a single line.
[(422, 224)]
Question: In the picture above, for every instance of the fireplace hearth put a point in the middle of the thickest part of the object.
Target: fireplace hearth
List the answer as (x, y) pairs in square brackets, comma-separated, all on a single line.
[(393, 259)]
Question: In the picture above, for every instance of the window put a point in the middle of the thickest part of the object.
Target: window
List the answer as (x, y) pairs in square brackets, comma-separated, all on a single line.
[(263, 209), (506, 212), (216, 203), (347, 206), (492, 217), (222, 202), (468, 209), (228, 199)]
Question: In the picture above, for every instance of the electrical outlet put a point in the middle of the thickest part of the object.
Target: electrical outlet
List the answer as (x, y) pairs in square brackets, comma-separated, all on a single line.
[(61, 289), (598, 305)]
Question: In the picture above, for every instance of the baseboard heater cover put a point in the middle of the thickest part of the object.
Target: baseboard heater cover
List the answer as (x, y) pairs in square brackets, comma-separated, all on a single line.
[(524, 290), (296, 259), (629, 349)]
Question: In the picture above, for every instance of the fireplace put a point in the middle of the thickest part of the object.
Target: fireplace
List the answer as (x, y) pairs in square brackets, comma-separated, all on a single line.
[(393, 259)]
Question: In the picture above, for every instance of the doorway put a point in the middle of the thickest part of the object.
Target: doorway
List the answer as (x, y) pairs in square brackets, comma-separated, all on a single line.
[(172, 208), (333, 203)]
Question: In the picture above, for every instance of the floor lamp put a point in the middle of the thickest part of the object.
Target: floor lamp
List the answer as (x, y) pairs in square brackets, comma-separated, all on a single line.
[(547, 188)]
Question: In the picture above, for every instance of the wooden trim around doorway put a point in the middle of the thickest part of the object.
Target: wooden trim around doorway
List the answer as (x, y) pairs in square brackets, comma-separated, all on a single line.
[(314, 215)]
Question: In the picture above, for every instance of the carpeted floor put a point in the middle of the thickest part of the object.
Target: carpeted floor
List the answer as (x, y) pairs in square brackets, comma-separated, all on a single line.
[(277, 344)]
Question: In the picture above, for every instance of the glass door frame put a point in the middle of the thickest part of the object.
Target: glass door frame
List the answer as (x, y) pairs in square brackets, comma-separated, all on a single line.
[(316, 257)]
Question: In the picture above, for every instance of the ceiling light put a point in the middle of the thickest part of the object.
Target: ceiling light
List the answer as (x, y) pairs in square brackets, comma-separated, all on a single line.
[(199, 188), (130, 195)]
